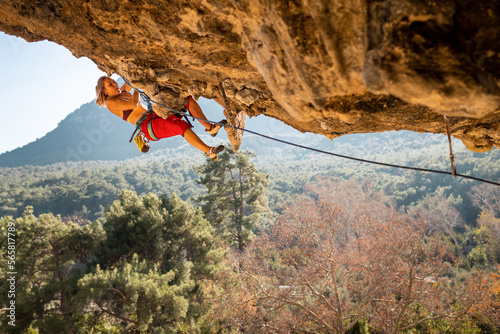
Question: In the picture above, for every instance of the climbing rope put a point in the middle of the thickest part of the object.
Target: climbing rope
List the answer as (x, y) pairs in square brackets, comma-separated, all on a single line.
[(149, 100)]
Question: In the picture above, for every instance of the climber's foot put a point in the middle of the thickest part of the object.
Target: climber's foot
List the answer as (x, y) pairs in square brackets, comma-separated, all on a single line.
[(213, 151), (214, 128)]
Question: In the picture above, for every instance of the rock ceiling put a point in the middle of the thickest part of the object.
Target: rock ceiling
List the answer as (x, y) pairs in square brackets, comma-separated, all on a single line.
[(331, 67)]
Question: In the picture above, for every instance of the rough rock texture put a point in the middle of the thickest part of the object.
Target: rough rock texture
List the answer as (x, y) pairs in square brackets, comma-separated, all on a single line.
[(324, 66)]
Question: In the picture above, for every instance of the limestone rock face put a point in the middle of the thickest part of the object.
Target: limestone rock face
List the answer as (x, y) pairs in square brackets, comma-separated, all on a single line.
[(331, 67)]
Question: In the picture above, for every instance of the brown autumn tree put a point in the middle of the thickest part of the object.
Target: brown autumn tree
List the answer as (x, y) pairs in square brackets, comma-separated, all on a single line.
[(442, 216), (491, 309), (233, 308), (487, 198), (328, 267), (489, 231)]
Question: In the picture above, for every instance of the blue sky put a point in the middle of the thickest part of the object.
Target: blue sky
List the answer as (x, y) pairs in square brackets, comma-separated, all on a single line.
[(40, 84)]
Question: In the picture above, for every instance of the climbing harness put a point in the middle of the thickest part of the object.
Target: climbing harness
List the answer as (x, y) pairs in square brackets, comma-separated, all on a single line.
[(326, 152), (452, 158), (149, 107)]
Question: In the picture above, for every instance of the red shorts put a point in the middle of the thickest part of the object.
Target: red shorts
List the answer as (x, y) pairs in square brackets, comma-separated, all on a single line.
[(163, 128)]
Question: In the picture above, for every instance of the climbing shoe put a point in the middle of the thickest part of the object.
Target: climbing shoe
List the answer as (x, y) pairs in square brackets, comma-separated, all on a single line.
[(214, 128), (214, 150), (142, 143)]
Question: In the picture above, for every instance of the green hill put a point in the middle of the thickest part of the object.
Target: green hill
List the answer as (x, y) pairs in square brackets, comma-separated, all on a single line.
[(89, 133)]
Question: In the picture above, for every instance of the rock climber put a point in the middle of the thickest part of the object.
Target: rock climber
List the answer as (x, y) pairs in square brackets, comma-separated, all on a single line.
[(127, 106)]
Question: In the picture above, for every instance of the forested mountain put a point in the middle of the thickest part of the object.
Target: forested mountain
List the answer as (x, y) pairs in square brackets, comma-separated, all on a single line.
[(89, 133), (64, 188)]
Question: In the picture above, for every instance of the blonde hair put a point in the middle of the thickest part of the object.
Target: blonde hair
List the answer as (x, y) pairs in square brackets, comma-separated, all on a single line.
[(101, 97)]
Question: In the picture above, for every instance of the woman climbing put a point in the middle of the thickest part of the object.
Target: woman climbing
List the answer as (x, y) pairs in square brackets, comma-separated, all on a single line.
[(128, 107)]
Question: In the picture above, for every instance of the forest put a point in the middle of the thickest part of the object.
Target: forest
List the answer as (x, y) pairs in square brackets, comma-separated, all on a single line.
[(89, 187), (280, 240)]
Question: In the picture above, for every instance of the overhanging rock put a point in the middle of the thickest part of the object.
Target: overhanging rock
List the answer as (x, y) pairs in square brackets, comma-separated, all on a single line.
[(327, 67)]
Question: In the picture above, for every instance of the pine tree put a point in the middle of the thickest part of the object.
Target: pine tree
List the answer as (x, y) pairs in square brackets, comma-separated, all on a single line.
[(138, 294), (133, 225), (236, 195), (50, 256), (165, 231), (191, 238), (158, 254)]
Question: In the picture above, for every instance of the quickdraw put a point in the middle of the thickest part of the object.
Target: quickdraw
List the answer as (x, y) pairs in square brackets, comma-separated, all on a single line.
[(452, 157)]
